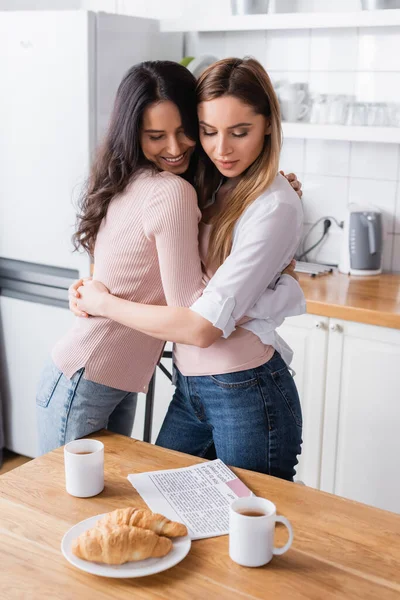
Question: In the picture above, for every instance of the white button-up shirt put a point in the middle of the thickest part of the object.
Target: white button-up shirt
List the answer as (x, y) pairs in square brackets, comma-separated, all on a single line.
[(249, 282)]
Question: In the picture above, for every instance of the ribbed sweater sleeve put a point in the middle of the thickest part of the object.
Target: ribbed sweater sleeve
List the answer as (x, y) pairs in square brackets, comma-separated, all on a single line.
[(170, 218)]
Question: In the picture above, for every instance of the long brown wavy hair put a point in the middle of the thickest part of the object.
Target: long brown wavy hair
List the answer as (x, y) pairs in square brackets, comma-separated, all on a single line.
[(246, 80), (120, 156)]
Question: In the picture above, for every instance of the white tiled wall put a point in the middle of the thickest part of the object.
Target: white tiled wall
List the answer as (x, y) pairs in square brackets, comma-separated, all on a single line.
[(363, 62)]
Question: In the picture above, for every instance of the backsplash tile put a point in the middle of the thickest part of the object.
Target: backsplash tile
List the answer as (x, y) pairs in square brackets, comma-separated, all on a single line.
[(213, 42), (376, 49), (332, 83), (246, 43), (378, 161), (329, 250), (333, 50), (327, 157), (377, 87), (291, 76), (324, 196), (381, 194), (292, 156), (288, 50)]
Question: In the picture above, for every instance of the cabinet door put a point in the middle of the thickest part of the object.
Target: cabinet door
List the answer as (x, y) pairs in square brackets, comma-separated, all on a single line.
[(28, 331), (361, 445), (307, 336)]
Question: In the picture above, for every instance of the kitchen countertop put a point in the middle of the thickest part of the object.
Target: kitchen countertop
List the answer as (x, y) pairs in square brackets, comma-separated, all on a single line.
[(341, 549), (372, 300)]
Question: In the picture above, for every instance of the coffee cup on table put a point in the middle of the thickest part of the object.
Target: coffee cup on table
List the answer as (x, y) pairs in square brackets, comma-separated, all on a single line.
[(84, 468), (251, 531)]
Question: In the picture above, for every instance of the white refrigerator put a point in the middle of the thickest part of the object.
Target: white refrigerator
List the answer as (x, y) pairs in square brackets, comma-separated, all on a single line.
[(59, 74)]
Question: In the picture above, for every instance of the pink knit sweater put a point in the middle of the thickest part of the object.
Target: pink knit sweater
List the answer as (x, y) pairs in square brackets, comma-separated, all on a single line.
[(149, 235)]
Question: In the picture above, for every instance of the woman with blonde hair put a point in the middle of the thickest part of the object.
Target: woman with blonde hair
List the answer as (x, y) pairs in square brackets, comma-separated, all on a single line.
[(234, 390)]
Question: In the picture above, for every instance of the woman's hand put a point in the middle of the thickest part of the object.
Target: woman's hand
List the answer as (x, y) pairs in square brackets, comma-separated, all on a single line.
[(91, 294), (294, 182), (290, 270), (73, 295)]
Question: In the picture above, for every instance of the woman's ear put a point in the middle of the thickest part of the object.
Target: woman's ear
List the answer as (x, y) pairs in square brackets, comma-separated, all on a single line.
[(268, 127)]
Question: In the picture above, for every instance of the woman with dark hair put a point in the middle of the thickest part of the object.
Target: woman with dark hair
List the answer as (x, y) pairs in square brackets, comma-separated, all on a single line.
[(131, 145), (140, 221)]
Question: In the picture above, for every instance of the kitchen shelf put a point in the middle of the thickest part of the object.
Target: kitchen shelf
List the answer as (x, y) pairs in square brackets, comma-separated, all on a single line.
[(387, 135), (373, 18)]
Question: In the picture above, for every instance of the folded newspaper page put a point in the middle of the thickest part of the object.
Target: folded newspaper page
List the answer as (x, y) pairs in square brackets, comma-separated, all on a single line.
[(198, 496)]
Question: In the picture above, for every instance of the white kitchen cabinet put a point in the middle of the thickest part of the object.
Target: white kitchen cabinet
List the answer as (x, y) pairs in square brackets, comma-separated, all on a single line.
[(348, 379), (361, 436), (22, 323), (307, 336)]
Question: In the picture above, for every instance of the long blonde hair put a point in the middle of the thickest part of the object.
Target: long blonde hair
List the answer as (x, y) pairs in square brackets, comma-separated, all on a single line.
[(246, 80)]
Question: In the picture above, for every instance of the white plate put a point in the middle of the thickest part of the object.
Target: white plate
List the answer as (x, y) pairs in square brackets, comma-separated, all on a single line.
[(140, 568)]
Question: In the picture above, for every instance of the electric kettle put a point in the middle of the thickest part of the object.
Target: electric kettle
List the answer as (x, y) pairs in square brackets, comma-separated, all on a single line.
[(361, 252)]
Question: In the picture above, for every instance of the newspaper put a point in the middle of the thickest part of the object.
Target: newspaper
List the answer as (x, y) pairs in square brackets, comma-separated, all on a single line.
[(198, 496)]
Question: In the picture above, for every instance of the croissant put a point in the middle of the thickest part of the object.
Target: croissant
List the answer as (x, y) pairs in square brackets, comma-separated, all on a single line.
[(144, 518), (115, 545)]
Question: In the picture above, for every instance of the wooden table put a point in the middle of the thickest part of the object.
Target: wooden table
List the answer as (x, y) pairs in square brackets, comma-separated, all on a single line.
[(341, 549), (372, 300)]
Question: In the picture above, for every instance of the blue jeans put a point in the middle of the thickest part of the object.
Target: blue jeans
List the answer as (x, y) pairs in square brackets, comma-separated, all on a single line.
[(250, 419), (68, 409)]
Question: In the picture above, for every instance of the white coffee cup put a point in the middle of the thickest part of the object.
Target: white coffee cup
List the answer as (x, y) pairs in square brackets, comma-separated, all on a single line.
[(84, 468), (251, 538), (295, 111), (292, 100)]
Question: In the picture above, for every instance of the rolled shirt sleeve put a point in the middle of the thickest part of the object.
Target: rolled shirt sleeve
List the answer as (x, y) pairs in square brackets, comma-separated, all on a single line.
[(274, 305), (264, 242)]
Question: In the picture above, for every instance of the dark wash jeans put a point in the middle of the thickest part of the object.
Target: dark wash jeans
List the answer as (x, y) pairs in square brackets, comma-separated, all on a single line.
[(249, 419)]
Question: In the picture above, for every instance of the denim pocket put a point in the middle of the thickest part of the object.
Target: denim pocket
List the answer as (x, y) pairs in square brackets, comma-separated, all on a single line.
[(238, 380), (287, 387), (48, 382)]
